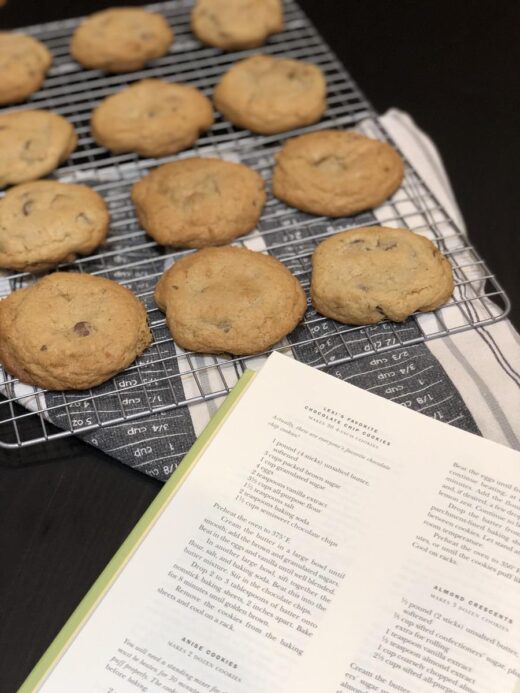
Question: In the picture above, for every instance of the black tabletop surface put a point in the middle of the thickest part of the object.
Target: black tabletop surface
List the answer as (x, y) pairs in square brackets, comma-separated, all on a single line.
[(65, 507)]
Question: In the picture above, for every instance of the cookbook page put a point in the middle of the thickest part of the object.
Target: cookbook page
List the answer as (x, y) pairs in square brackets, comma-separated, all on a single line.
[(325, 540)]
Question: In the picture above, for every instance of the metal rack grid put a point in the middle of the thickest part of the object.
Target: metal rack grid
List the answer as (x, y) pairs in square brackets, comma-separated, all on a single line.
[(165, 376)]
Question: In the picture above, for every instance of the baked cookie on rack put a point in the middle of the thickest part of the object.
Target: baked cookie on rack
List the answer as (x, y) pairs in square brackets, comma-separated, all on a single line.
[(33, 143), (198, 202), (45, 222), (24, 62), (362, 276), (121, 39), (270, 95), (336, 172), (152, 118), (236, 24), (71, 331), (229, 300)]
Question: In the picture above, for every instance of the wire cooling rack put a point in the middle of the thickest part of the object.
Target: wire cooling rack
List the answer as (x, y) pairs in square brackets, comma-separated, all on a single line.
[(165, 376)]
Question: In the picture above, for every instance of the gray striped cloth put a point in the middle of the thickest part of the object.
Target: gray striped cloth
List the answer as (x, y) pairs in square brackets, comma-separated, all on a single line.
[(470, 379)]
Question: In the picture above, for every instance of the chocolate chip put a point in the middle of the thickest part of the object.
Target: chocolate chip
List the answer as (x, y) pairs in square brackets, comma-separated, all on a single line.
[(82, 329), (43, 347), (27, 207)]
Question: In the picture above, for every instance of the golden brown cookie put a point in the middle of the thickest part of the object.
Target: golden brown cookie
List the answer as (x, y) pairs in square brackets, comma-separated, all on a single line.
[(270, 95), (120, 39), (336, 172), (230, 300), (366, 275), (71, 331), (46, 222), (197, 202), (152, 118), (24, 62), (236, 24), (33, 143)]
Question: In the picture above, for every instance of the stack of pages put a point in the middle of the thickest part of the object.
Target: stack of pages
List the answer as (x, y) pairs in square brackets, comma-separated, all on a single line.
[(316, 538)]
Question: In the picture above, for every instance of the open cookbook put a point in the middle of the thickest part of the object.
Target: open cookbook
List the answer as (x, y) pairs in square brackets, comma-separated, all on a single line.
[(316, 538)]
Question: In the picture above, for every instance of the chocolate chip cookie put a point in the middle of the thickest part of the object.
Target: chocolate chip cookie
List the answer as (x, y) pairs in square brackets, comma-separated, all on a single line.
[(71, 331), (152, 118), (236, 24), (46, 222), (230, 300), (362, 276), (33, 143), (120, 39), (198, 202), (269, 95), (336, 172), (24, 62)]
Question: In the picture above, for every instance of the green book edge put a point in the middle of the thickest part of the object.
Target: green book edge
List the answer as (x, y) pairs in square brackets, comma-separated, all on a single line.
[(96, 593)]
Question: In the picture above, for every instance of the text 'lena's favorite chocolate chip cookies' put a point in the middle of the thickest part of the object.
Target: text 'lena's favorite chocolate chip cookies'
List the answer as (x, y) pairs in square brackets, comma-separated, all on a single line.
[(198, 202), (71, 331), (336, 173), (229, 300), (362, 276), (152, 118)]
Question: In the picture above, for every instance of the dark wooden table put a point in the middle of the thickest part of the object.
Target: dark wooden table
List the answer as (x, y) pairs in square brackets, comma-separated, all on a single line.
[(64, 507)]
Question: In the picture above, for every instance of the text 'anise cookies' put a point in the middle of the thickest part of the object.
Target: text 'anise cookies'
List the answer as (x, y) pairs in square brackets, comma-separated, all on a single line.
[(336, 173), (236, 24), (270, 95), (121, 39), (46, 222), (33, 143), (24, 62), (198, 202), (152, 118), (71, 331), (229, 300), (362, 276)]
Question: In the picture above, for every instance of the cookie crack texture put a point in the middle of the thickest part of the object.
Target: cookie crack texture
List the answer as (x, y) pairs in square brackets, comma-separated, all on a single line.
[(230, 300), (336, 172), (33, 143), (357, 288), (24, 62), (152, 118), (44, 223), (330, 164), (199, 202), (270, 95), (121, 39), (236, 24), (71, 331)]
